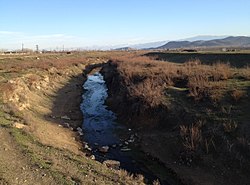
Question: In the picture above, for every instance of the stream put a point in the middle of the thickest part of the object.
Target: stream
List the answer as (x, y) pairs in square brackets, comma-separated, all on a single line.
[(101, 129)]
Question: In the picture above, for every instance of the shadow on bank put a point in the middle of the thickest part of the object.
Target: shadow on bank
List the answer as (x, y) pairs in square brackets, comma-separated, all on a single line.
[(66, 103), (66, 112)]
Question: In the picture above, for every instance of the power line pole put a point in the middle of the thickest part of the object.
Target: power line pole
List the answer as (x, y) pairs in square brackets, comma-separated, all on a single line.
[(37, 49), (22, 47)]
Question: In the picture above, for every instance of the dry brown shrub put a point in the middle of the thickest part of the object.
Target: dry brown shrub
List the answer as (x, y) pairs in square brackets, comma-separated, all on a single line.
[(204, 81), (237, 94), (146, 78), (216, 91), (221, 71), (245, 73), (191, 136), (193, 62), (198, 85), (130, 178)]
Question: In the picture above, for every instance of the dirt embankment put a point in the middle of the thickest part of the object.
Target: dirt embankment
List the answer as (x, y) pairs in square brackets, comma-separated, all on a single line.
[(159, 125), (40, 111), (38, 98), (134, 110)]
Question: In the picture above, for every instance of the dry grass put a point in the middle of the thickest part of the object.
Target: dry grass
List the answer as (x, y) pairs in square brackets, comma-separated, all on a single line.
[(246, 73), (191, 136), (147, 78), (196, 86), (16, 65), (237, 94)]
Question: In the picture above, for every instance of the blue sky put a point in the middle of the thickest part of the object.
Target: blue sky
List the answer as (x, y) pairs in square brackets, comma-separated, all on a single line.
[(82, 23)]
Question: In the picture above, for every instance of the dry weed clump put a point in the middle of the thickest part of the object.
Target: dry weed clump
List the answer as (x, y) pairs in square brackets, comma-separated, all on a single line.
[(221, 71), (191, 136), (146, 78), (198, 85), (195, 141), (193, 62), (245, 73), (149, 92), (237, 94), (130, 178)]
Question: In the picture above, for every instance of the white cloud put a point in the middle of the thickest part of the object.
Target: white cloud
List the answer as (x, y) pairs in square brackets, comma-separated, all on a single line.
[(9, 33), (14, 40)]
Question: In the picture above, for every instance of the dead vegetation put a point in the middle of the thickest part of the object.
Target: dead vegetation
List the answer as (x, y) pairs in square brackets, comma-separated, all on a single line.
[(148, 78), (165, 95), (191, 136)]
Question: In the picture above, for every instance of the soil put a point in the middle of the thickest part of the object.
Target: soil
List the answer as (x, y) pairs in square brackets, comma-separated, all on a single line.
[(48, 132)]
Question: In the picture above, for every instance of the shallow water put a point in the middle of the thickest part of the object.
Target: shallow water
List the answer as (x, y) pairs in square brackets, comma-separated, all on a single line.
[(100, 127)]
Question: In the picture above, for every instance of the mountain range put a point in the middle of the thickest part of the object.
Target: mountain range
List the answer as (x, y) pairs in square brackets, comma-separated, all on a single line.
[(204, 37), (238, 41), (156, 44)]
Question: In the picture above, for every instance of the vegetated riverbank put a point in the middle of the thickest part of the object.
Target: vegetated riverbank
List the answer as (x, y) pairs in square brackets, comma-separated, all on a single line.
[(190, 116), (40, 98), (106, 139)]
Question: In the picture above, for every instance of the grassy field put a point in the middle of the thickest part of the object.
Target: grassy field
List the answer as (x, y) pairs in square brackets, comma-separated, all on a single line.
[(193, 111)]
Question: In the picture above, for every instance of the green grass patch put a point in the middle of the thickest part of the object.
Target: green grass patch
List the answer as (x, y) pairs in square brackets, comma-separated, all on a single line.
[(4, 118), (25, 141), (27, 144)]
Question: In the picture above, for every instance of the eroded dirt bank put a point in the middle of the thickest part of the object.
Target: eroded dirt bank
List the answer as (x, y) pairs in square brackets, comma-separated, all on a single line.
[(159, 126), (39, 143), (132, 110), (137, 114)]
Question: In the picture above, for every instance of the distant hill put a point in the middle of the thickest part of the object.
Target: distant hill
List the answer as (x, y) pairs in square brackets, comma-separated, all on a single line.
[(203, 37), (239, 41), (148, 45)]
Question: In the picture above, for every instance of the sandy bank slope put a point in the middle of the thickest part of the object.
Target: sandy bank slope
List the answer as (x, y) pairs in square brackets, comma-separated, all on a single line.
[(39, 111)]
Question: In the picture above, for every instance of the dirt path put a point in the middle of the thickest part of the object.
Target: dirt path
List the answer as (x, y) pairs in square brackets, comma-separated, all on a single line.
[(16, 168)]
